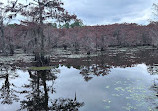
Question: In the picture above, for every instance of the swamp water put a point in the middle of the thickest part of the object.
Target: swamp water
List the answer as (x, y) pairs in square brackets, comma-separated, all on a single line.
[(115, 81)]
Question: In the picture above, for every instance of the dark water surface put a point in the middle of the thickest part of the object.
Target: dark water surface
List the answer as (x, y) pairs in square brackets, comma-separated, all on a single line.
[(115, 81)]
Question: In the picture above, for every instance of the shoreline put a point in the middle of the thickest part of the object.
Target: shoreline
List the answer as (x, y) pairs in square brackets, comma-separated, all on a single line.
[(20, 57)]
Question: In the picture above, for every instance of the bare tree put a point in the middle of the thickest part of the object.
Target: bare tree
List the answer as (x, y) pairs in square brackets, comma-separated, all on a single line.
[(2, 27), (39, 12)]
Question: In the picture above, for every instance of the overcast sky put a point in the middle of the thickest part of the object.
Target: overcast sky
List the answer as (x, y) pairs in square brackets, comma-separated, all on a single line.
[(101, 12), (94, 12)]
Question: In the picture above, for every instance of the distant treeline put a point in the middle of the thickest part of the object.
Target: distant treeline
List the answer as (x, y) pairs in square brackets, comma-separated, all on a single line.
[(87, 38)]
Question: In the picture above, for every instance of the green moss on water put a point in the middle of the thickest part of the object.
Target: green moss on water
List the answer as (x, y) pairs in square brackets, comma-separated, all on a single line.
[(40, 68)]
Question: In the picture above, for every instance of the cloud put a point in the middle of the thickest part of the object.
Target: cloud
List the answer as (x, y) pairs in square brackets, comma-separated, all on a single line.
[(94, 12), (111, 11)]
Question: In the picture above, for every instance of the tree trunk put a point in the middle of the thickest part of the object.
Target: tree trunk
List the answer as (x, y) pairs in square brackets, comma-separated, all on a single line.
[(45, 91), (41, 35), (2, 36), (42, 42)]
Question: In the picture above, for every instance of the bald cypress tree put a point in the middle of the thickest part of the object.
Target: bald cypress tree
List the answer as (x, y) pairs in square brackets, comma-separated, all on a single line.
[(38, 12)]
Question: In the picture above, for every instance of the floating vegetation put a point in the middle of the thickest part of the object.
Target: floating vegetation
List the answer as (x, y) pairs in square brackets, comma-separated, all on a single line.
[(107, 87), (107, 107), (133, 97), (129, 107), (117, 95), (119, 89), (40, 68)]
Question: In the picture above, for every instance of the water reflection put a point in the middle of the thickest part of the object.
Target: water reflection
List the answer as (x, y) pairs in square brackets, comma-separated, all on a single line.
[(101, 65), (7, 90), (98, 69), (153, 70), (38, 98), (91, 67), (79, 84)]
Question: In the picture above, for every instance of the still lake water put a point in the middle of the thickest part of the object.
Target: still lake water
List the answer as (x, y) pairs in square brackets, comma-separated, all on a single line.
[(115, 81)]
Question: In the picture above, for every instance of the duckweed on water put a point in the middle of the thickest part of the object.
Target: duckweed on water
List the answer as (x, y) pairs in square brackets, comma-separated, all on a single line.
[(40, 68), (130, 93)]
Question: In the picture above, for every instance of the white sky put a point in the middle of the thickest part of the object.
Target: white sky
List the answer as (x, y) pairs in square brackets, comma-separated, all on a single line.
[(94, 12)]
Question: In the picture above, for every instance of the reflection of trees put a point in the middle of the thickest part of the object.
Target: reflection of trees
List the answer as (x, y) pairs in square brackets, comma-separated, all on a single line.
[(40, 90), (99, 68), (7, 92), (37, 98), (101, 65), (66, 105), (153, 70), (154, 87)]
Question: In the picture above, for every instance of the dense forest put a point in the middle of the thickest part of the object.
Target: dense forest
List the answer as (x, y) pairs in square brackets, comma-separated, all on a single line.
[(87, 38)]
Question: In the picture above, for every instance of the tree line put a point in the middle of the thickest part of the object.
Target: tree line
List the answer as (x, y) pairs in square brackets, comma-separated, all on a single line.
[(86, 38)]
